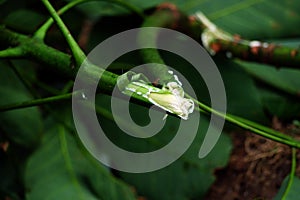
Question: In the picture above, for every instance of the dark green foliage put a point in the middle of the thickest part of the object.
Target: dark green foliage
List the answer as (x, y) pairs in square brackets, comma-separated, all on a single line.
[(41, 156)]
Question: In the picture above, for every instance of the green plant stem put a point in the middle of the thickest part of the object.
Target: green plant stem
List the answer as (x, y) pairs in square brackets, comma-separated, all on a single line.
[(292, 174), (15, 52), (253, 127), (246, 122), (41, 32), (37, 102), (259, 127), (160, 71), (53, 59), (67, 87), (78, 54), (37, 50), (165, 17), (76, 50)]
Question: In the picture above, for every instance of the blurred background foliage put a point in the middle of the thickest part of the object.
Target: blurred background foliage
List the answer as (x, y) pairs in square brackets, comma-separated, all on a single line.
[(41, 156)]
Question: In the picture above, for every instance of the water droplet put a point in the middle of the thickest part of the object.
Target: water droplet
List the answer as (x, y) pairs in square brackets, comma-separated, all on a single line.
[(130, 89), (255, 43), (228, 54), (177, 79), (165, 117), (83, 96), (265, 45)]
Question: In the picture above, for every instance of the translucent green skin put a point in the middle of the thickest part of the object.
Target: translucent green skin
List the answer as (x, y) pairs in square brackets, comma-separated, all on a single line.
[(170, 97)]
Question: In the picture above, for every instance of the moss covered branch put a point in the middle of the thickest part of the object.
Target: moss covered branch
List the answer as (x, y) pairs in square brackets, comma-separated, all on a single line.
[(58, 61)]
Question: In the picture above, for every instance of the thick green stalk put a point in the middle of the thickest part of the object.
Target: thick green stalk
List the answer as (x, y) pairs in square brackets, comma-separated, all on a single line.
[(38, 51), (160, 72), (15, 52), (49, 57), (76, 50), (164, 17), (41, 32)]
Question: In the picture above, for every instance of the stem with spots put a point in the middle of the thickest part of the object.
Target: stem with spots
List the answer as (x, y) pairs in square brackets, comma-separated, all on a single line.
[(168, 16), (217, 41)]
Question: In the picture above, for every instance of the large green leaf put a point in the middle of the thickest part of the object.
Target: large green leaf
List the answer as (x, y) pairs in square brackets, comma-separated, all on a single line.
[(284, 79), (293, 192), (279, 104), (22, 126), (187, 178), (61, 169), (24, 20), (96, 9), (249, 18), (243, 98)]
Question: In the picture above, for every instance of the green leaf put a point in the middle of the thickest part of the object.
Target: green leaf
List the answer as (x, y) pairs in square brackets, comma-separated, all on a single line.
[(97, 9), (285, 79), (294, 191), (22, 126), (187, 178), (175, 182), (249, 18), (279, 104), (62, 169), (243, 98), (24, 20), (280, 98)]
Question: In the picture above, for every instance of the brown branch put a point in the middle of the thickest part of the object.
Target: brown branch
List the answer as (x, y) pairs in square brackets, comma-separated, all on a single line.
[(218, 41)]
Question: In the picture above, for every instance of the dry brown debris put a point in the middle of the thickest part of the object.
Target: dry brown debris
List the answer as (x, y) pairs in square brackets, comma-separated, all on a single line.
[(256, 168)]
